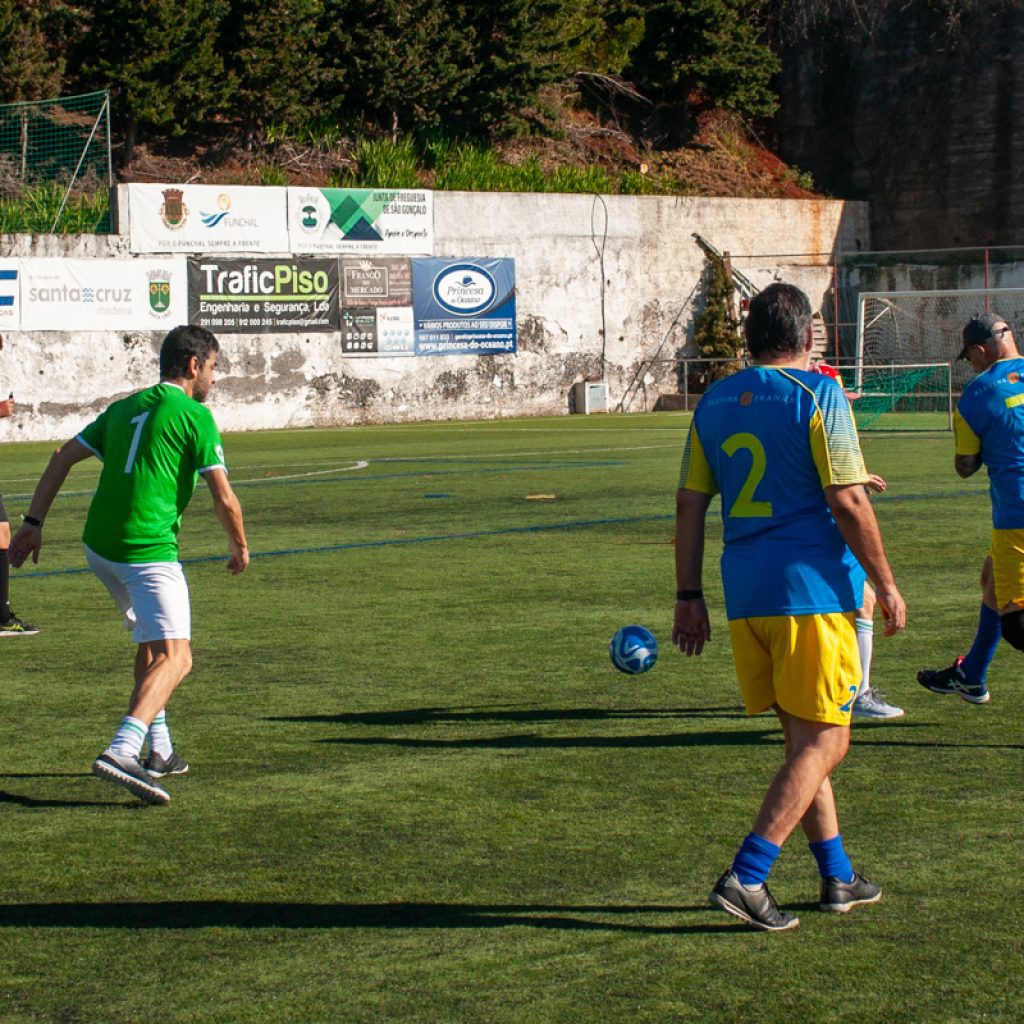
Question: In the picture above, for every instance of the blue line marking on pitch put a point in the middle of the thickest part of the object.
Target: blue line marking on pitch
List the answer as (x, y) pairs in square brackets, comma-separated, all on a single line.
[(576, 524)]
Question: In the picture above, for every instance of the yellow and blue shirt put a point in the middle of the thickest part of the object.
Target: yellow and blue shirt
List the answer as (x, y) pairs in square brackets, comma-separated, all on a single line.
[(989, 421), (769, 440)]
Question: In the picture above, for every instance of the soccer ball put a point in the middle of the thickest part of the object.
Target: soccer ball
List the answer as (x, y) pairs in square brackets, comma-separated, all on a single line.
[(633, 650)]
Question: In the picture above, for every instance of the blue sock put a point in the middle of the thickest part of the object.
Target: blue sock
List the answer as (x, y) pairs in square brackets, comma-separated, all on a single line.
[(754, 859), (983, 650), (832, 859)]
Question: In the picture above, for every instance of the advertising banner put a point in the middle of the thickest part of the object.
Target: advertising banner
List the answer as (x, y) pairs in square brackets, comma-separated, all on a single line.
[(10, 297), (386, 331), (207, 218), (368, 221), (103, 294), (379, 281), (464, 307), (263, 296)]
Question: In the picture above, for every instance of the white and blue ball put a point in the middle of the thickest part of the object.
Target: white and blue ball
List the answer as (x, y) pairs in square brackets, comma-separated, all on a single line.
[(633, 650)]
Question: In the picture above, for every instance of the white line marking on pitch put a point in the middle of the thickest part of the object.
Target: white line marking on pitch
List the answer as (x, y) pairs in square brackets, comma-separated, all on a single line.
[(361, 464)]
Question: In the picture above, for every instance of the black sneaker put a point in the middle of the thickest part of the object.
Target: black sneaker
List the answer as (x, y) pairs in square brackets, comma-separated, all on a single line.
[(841, 897), (17, 627), (952, 680), (755, 906), (127, 771), (158, 766)]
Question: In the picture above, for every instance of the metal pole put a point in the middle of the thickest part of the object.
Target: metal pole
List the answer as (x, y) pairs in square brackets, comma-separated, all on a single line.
[(835, 304), (81, 160)]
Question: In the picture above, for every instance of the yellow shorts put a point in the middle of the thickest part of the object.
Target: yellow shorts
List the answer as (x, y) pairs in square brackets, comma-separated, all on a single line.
[(1008, 567), (808, 665)]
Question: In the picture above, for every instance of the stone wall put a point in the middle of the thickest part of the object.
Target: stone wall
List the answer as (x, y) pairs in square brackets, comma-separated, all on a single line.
[(917, 113), (607, 288)]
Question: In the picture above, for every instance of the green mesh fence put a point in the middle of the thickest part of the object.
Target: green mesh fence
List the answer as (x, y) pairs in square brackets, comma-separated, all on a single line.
[(903, 398), (55, 168)]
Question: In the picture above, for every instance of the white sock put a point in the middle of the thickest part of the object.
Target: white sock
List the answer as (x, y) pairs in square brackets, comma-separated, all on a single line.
[(865, 645), (160, 736), (129, 737)]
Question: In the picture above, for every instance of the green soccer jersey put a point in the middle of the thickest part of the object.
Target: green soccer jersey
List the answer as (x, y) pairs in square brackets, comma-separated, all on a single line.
[(153, 446)]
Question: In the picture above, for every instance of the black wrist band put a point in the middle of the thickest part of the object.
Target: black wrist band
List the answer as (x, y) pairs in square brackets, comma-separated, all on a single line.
[(689, 595), (32, 521)]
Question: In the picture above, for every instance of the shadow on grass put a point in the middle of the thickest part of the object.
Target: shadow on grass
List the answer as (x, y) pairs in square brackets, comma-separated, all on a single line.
[(224, 914), (746, 738), (31, 801), (430, 716)]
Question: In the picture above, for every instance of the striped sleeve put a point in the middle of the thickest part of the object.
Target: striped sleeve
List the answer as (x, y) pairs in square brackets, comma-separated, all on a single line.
[(695, 471), (834, 442)]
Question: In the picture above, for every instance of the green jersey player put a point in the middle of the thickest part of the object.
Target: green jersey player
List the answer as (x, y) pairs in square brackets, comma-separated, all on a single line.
[(154, 445)]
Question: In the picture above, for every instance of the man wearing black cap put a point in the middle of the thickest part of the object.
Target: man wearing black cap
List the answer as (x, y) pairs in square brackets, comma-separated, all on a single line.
[(990, 417)]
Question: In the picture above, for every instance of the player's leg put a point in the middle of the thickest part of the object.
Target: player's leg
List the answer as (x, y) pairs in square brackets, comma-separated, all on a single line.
[(1008, 584), (870, 703), (158, 594), (162, 758), (741, 890), (800, 788), (842, 888), (10, 624), (968, 673), (806, 668)]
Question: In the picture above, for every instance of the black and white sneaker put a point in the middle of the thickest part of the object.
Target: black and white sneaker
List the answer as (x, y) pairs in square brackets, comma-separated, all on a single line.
[(841, 897), (952, 680), (13, 626), (755, 906), (159, 766), (127, 771)]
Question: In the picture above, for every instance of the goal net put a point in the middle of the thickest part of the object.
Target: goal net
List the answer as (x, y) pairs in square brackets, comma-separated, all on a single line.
[(903, 396), (899, 333)]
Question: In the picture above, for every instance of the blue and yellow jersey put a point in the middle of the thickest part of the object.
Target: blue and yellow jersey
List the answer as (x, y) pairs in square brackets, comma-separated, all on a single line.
[(990, 421), (769, 440)]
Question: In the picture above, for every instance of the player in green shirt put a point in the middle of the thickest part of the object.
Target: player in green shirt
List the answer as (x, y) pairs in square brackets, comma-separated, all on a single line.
[(154, 446)]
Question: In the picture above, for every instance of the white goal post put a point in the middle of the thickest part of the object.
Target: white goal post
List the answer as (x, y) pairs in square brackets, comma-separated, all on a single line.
[(906, 327)]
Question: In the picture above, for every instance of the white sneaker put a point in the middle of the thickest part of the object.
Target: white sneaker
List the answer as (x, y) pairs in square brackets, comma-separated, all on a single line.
[(871, 704)]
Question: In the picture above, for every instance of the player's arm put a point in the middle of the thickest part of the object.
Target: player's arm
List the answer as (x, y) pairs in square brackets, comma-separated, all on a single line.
[(967, 460), (29, 538), (852, 511), (966, 465), (691, 626), (229, 512)]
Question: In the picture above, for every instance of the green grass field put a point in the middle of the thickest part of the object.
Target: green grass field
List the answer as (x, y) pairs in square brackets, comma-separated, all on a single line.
[(420, 792)]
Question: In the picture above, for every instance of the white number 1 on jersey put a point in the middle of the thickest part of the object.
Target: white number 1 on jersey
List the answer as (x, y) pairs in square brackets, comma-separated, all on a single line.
[(140, 420)]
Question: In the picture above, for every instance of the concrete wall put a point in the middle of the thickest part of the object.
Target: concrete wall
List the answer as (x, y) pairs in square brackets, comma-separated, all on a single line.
[(586, 266)]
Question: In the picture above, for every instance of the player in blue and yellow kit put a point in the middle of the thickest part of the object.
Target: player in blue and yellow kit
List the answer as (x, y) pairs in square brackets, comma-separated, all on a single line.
[(778, 443), (989, 430)]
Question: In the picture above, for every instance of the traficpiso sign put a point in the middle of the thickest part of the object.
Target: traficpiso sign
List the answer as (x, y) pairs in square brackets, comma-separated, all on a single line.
[(263, 296)]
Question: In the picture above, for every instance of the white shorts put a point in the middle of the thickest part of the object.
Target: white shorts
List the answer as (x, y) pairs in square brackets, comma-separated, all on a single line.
[(153, 596)]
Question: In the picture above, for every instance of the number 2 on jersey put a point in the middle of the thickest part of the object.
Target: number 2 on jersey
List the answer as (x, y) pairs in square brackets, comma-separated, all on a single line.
[(744, 507), (140, 422)]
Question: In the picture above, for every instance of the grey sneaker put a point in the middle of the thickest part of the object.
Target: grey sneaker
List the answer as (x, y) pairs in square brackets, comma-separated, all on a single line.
[(158, 766), (872, 704), (755, 906), (127, 771), (842, 897)]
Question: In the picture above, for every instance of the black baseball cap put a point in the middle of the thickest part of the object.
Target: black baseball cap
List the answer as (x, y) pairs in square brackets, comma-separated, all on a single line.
[(979, 329)]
